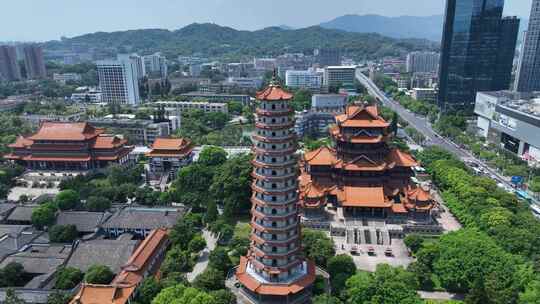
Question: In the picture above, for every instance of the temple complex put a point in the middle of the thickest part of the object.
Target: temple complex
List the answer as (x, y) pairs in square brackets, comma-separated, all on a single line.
[(69, 146), (168, 155), (274, 270), (361, 175)]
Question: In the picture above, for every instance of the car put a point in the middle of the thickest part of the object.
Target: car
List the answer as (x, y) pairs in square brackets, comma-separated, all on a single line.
[(354, 250), (388, 252), (371, 251)]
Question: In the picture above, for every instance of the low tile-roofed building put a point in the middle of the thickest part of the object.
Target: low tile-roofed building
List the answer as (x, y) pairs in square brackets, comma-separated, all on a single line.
[(21, 215), (111, 253), (144, 262), (5, 210), (14, 237), (40, 260), (141, 221), (86, 222)]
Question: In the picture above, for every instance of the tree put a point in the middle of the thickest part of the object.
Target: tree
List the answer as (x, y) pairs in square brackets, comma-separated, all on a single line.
[(219, 259), (223, 296), (326, 299), (192, 184), (148, 290), (11, 297), (197, 244), (98, 204), (58, 298), (67, 200), (232, 184), (317, 246), (179, 294), (341, 268), (98, 274), (176, 260), (211, 212), (210, 279), (68, 278), (182, 233), (212, 156), (44, 215), (12, 275), (394, 123), (414, 242), (63, 233), (531, 295), (387, 285)]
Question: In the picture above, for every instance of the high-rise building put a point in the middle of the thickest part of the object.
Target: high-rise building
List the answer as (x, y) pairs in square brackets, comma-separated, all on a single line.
[(328, 56), (139, 65), (274, 271), (339, 75), (422, 62), (309, 79), (34, 62), (155, 64), (118, 80), (528, 75), (9, 68), (478, 47)]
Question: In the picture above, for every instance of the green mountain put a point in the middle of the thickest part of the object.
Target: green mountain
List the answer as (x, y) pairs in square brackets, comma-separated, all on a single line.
[(216, 41)]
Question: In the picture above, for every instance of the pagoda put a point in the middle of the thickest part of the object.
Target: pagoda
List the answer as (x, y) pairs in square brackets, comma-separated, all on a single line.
[(274, 270), (362, 175)]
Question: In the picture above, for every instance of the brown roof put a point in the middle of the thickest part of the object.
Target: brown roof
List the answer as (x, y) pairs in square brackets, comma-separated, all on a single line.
[(21, 142), (274, 93), (402, 159), (419, 194), (323, 156), (109, 142), (274, 289), (170, 147), (102, 294), (363, 197), (124, 284), (361, 116), (77, 131)]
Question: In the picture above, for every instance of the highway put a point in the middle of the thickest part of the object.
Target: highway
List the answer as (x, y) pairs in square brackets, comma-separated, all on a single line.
[(423, 126)]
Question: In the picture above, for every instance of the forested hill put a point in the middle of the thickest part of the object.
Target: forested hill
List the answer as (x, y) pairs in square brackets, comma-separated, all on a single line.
[(212, 40)]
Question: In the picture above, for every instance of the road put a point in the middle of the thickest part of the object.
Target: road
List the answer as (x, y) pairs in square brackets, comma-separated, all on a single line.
[(202, 261), (423, 126)]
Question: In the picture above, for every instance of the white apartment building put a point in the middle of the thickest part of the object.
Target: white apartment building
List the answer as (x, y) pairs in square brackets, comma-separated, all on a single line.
[(155, 64), (118, 80), (65, 77), (422, 62), (304, 79), (177, 107), (339, 75)]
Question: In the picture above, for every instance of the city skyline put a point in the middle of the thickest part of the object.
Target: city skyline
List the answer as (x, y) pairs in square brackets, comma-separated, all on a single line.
[(243, 14)]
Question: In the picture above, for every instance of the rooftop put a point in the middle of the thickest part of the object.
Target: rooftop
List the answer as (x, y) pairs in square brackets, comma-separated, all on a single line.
[(112, 253), (85, 222), (21, 214), (40, 259), (139, 218), (67, 131)]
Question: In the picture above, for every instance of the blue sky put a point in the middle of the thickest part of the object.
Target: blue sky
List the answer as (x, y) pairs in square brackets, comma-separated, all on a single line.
[(38, 20)]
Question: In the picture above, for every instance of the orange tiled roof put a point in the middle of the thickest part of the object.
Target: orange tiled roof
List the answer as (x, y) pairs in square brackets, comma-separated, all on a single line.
[(401, 158), (21, 142), (362, 163), (363, 197), (274, 93), (102, 294), (274, 289), (323, 156), (419, 194), (361, 117), (109, 142), (398, 208), (58, 158), (170, 144), (77, 131), (124, 284)]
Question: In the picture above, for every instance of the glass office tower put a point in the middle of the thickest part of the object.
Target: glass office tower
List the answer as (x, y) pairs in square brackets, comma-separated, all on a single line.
[(528, 75), (477, 52)]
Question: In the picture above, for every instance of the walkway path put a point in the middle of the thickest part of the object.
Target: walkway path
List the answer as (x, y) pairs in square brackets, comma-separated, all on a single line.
[(439, 295), (202, 261)]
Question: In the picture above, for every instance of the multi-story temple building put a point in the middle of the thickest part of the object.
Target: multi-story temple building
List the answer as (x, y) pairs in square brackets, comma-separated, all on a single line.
[(69, 146), (361, 175), (168, 155), (274, 270)]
